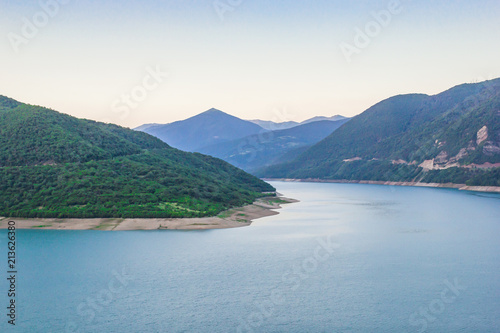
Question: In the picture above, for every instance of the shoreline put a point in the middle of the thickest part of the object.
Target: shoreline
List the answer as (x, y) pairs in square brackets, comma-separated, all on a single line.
[(461, 187), (232, 218)]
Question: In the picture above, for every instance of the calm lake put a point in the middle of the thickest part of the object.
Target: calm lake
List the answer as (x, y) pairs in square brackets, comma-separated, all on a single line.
[(347, 258)]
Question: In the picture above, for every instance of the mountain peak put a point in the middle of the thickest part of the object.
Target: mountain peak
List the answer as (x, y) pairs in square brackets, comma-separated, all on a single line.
[(321, 118), (213, 111), (204, 129)]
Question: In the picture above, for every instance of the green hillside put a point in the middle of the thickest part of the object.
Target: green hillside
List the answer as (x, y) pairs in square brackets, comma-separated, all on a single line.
[(456, 132), (55, 165)]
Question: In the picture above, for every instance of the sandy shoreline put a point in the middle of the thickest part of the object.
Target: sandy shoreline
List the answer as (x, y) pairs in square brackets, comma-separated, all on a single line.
[(233, 218), (463, 187)]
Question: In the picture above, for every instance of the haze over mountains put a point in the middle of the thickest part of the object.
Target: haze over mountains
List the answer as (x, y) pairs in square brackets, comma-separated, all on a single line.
[(273, 126), (450, 137), (55, 165), (207, 128), (240, 142), (256, 151)]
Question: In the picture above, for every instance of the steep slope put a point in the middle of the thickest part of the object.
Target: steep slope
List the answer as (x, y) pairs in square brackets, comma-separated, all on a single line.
[(31, 135), (55, 165), (210, 127), (443, 138), (267, 148)]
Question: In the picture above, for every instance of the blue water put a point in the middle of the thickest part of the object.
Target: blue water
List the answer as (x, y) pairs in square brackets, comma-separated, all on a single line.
[(347, 258)]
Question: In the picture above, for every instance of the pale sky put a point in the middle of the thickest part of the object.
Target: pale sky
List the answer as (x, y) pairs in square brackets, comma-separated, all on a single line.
[(272, 60)]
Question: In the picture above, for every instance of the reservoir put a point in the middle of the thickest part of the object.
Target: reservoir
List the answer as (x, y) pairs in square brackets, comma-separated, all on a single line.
[(346, 258)]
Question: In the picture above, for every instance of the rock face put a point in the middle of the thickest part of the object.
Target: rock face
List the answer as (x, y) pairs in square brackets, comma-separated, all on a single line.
[(482, 135), (442, 157), (490, 148), (353, 159), (444, 161), (461, 154), (440, 132), (427, 164)]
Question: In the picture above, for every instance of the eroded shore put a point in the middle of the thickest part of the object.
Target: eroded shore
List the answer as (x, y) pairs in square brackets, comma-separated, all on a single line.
[(463, 187), (233, 218)]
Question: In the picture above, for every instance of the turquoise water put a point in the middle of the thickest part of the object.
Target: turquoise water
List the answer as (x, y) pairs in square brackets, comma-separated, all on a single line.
[(347, 258)]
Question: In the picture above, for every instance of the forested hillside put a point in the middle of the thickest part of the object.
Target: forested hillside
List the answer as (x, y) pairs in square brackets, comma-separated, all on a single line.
[(450, 137), (55, 165)]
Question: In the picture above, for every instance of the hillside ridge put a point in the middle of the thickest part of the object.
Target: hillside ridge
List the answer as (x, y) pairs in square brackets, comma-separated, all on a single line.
[(57, 166)]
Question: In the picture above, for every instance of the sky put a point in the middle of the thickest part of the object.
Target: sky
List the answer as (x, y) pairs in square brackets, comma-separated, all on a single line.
[(136, 62)]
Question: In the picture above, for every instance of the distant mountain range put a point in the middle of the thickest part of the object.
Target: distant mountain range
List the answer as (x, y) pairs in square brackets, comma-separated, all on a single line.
[(274, 126), (207, 128), (55, 165), (450, 137), (270, 147), (249, 145)]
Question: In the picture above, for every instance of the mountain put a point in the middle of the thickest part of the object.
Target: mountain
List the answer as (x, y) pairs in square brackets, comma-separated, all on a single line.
[(267, 148), (142, 128), (450, 137), (273, 126), (321, 118), (210, 127), (55, 165)]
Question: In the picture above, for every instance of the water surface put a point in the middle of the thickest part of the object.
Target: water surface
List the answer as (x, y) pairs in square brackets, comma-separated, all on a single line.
[(347, 258)]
